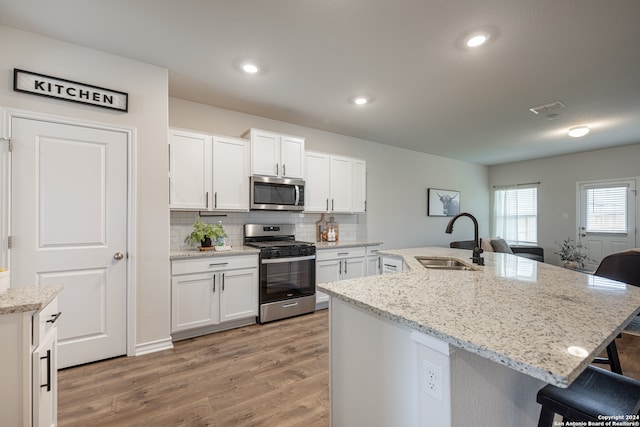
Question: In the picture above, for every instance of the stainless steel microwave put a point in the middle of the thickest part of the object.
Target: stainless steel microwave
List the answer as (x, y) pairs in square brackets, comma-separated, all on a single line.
[(277, 194)]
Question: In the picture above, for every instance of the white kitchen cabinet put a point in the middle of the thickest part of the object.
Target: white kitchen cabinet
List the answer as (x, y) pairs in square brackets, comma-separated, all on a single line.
[(212, 290), (339, 264), (208, 172), (329, 183), (274, 154), (391, 265), (374, 261), (189, 169), (359, 186), (29, 386), (230, 174), (239, 296)]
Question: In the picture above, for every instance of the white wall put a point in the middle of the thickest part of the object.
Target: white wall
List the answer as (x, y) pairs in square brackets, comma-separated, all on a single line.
[(397, 179), (147, 87), (558, 177)]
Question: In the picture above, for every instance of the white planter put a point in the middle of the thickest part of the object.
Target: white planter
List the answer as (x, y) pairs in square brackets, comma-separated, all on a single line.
[(4, 281)]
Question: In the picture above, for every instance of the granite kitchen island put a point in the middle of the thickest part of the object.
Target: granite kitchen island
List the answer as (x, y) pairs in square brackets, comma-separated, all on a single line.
[(459, 348)]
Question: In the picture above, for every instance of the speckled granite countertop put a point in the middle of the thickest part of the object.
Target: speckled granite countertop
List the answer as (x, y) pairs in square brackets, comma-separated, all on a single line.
[(19, 300), (195, 253), (515, 311), (344, 244)]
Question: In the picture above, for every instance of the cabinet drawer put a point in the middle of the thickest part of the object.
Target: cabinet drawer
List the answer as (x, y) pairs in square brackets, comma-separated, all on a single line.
[(44, 320), (214, 263), (327, 254), (373, 250)]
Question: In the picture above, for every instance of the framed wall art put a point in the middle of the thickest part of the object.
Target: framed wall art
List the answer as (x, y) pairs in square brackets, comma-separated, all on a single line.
[(443, 202)]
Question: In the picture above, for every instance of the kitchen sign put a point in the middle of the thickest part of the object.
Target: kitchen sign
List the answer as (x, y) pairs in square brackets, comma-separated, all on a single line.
[(53, 87)]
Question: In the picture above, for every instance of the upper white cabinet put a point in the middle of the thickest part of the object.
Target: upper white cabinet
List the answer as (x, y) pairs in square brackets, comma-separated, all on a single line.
[(230, 174), (208, 172), (189, 170), (334, 183), (274, 154), (359, 186)]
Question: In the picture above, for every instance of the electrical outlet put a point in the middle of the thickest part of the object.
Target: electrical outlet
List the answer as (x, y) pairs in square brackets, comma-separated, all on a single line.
[(431, 379)]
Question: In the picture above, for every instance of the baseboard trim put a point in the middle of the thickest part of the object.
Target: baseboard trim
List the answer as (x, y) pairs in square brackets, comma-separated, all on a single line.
[(153, 346)]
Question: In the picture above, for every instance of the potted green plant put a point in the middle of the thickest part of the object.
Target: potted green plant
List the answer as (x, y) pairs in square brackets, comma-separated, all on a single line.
[(204, 233), (572, 253)]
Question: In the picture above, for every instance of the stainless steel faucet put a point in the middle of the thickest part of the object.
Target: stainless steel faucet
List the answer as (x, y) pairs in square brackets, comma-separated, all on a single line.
[(476, 258)]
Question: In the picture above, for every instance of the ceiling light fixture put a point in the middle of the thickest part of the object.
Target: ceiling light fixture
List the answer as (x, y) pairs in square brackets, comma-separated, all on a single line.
[(360, 100), (579, 131), (250, 68), (477, 40)]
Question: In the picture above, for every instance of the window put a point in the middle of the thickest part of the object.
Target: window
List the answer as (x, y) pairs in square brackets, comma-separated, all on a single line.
[(606, 209), (516, 214)]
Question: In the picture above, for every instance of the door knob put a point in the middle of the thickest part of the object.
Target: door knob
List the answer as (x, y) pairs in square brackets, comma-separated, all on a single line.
[(118, 256)]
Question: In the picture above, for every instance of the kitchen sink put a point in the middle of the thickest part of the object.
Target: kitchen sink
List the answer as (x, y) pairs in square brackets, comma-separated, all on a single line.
[(444, 263)]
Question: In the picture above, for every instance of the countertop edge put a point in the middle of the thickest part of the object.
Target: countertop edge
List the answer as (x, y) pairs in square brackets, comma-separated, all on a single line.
[(20, 300)]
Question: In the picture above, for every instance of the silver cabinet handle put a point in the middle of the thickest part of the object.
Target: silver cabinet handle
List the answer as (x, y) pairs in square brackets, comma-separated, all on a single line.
[(214, 283), (206, 198), (284, 170), (118, 256), (215, 200), (277, 169), (222, 281), (345, 266)]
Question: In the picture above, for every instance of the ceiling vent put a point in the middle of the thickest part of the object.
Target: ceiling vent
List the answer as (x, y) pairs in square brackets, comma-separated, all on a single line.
[(548, 109)]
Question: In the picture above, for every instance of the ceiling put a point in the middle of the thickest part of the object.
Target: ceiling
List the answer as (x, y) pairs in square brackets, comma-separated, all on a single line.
[(428, 92)]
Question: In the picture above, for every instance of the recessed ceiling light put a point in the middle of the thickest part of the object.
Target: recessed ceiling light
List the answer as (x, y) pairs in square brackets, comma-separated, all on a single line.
[(250, 68), (477, 40), (361, 100), (578, 131)]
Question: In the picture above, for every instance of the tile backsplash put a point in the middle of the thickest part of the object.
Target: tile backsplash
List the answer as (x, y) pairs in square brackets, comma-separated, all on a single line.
[(352, 227)]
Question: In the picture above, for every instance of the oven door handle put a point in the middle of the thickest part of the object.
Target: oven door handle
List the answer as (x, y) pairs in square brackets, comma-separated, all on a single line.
[(288, 259)]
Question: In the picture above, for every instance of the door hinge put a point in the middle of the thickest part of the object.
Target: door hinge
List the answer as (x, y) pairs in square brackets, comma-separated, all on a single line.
[(9, 242), (9, 143)]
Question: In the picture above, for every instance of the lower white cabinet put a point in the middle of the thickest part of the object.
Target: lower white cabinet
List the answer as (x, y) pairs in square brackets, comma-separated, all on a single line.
[(391, 265), (374, 260), (339, 264), (212, 290), (29, 386)]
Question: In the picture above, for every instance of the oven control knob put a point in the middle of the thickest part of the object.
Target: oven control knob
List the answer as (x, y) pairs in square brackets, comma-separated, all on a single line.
[(304, 251), (274, 254)]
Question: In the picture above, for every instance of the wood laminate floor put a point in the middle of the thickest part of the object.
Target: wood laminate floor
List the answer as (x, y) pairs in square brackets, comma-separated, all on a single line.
[(260, 375), (275, 374)]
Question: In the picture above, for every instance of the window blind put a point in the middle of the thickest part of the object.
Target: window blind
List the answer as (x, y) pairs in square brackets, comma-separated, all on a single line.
[(516, 214), (606, 209)]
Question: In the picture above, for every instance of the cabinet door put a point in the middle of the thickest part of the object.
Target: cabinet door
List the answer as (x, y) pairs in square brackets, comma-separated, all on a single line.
[(45, 381), (317, 182), (189, 170), (353, 268), (239, 297), (326, 271), (265, 153), (195, 301), (373, 265), (292, 156), (230, 174), (359, 187), (340, 184)]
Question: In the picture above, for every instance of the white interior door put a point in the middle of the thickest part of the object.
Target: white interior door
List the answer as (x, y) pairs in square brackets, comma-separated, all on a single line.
[(606, 218), (69, 222)]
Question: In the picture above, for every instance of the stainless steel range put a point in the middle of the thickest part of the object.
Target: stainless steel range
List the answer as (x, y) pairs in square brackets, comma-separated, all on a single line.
[(287, 271)]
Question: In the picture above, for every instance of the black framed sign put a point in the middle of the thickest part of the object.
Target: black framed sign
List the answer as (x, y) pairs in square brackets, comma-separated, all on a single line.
[(443, 202), (67, 90)]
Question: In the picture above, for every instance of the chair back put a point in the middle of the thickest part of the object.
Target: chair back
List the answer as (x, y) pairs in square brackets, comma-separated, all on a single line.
[(621, 266)]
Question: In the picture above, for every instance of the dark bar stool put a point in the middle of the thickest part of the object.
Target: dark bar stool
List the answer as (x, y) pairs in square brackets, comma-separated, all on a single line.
[(596, 392), (623, 267)]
